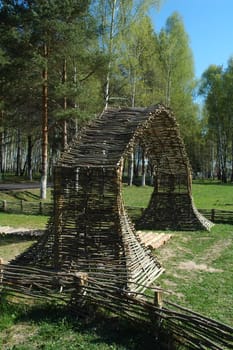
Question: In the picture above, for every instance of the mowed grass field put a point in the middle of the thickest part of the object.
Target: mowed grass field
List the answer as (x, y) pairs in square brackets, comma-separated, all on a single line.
[(198, 274), (206, 195)]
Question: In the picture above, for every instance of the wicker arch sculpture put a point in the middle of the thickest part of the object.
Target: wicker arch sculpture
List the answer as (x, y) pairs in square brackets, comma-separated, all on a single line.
[(90, 231)]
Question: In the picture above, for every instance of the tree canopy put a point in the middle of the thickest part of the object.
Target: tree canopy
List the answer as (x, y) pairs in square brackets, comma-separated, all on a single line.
[(62, 62)]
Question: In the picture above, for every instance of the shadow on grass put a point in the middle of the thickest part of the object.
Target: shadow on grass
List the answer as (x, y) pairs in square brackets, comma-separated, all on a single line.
[(23, 195), (102, 329), (14, 239), (211, 182)]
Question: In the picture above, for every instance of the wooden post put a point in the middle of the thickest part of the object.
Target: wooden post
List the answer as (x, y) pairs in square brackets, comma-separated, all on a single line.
[(40, 208), (4, 205), (212, 214), (1, 270), (78, 296), (158, 300)]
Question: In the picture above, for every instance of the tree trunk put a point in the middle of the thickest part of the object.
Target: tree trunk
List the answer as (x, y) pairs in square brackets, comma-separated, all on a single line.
[(1, 154), (168, 89), (29, 158), (18, 156), (137, 158), (143, 168), (131, 169), (232, 159), (1, 147), (64, 129), (107, 87), (44, 168)]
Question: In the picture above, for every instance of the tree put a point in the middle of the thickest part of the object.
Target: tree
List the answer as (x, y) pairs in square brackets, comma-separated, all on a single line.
[(115, 19), (177, 80), (216, 87), (42, 31), (138, 68), (212, 88)]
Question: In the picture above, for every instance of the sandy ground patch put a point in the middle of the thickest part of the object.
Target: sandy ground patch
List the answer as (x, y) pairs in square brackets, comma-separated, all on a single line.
[(191, 265), (16, 335), (215, 251)]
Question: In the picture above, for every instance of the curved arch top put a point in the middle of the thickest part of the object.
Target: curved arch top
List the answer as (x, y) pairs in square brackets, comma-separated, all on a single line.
[(108, 138)]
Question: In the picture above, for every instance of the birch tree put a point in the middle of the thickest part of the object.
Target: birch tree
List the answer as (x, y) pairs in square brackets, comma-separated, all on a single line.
[(115, 18)]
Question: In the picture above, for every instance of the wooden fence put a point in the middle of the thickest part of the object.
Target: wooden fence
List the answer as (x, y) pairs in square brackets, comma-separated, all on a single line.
[(24, 207), (42, 208), (215, 215)]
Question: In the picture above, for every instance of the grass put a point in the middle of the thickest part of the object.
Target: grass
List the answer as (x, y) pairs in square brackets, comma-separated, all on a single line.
[(213, 195), (206, 194), (199, 271), (11, 246), (21, 220), (199, 275), (51, 327), (29, 195)]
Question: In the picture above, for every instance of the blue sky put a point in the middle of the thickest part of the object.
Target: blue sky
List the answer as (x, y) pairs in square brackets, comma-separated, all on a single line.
[(209, 25)]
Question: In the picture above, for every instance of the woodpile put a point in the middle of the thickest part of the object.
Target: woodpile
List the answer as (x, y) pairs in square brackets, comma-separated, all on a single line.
[(152, 239)]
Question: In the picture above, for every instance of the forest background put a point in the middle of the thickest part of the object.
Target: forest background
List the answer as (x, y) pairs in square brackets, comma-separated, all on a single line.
[(63, 62)]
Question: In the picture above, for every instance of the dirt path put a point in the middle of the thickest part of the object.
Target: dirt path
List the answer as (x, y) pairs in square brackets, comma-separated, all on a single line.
[(21, 231)]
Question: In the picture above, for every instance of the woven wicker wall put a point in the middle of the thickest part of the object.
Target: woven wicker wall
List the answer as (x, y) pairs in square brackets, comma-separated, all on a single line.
[(90, 231)]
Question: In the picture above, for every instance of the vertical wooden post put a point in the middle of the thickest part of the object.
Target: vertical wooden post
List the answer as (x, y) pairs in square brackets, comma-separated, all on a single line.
[(1, 270), (212, 214), (4, 205), (40, 208), (158, 300)]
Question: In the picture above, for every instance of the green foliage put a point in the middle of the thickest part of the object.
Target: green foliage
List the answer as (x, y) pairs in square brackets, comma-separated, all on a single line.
[(216, 87), (113, 55), (8, 313), (68, 33), (137, 64)]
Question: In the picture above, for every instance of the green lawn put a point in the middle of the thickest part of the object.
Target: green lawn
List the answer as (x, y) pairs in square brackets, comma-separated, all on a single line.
[(199, 271), (206, 195), (199, 275), (213, 195), (29, 195), (54, 328), (20, 220)]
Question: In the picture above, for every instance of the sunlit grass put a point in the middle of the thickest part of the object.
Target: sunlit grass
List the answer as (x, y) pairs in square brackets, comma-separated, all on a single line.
[(209, 195), (199, 271), (213, 195), (21, 220), (12, 246)]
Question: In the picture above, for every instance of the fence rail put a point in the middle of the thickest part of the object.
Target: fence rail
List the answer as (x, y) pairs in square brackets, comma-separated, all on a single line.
[(41, 208), (24, 207), (215, 215)]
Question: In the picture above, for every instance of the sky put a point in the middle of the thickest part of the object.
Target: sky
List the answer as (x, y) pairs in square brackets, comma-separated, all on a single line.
[(209, 25)]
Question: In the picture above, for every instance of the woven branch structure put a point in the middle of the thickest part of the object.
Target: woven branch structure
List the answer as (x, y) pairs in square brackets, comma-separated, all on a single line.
[(90, 253), (90, 231)]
